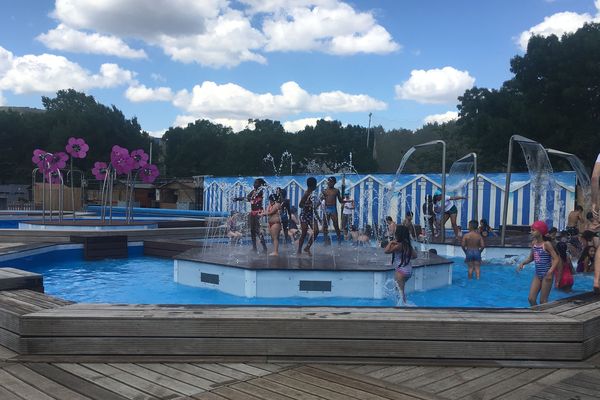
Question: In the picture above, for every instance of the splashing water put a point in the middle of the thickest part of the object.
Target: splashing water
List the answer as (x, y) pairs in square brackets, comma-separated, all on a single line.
[(285, 156), (543, 184)]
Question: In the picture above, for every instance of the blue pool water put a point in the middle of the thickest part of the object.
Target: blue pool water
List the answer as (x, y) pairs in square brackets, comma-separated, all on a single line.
[(149, 280)]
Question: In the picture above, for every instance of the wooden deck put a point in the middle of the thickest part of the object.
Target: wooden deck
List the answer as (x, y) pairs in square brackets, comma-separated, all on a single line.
[(55, 349), (285, 381)]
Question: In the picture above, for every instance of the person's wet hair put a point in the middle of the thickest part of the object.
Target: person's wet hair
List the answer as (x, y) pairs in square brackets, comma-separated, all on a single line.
[(311, 182)]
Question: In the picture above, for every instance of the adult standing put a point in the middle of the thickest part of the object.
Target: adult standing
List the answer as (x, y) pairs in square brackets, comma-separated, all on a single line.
[(448, 210)]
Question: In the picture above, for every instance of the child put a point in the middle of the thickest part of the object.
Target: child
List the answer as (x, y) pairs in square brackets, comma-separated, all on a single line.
[(485, 230), (546, 262), (274, 222), (308, 218), (354, 234), (408, 223), (586, 261), (564, 272), (233, 231), (365, 237), (255, 197), (429, 216), (347, 214), (285, 212), (391, 228), (402, 253), (473, 244), (293, 224)]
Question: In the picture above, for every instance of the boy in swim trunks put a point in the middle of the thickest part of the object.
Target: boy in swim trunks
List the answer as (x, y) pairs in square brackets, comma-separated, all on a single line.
[(473, 245), (331, 195)]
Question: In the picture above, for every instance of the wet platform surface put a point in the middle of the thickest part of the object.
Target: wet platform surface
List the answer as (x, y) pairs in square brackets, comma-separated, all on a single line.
[(328, 258)]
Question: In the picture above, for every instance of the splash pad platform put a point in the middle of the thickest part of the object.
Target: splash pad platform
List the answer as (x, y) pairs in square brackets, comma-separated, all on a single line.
[(331, 271)]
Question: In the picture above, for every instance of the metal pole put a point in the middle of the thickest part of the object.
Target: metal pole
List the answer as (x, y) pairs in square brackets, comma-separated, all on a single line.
[(475, 189), (506, 192), (369, 130), (443, 187)]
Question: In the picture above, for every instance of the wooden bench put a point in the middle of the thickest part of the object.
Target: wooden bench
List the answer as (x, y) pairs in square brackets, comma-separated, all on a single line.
[(304, 333), (13, 305)]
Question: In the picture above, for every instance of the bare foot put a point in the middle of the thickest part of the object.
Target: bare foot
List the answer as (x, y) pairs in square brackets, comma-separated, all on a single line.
[(273, 254)]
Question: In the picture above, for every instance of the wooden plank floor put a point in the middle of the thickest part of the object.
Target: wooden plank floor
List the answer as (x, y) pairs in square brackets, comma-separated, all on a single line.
[(276, 381)]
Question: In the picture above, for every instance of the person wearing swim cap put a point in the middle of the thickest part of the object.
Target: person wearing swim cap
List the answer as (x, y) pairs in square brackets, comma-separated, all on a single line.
[(546, 262)]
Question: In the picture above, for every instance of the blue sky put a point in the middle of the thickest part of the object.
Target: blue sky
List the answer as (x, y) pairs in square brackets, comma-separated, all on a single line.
[(169, 62)]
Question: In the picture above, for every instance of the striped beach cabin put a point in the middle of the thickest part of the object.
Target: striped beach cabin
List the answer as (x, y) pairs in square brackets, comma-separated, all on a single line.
[(379, 195)]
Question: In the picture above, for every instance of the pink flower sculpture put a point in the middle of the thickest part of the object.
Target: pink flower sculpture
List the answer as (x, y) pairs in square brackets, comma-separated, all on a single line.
[(40, 158), (149, 172), (99, 171), (58, 160), (53, 176), (140, 158), (121, 161), (77, 147)]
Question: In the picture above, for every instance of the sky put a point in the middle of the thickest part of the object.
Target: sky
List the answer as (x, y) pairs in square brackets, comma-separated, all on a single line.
[(171, 62)]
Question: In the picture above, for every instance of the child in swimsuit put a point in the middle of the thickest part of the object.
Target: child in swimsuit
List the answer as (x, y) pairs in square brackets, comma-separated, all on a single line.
[(564, 272), (473, 245), (308, 218), (274, 222), (546, 262), (402, 253)]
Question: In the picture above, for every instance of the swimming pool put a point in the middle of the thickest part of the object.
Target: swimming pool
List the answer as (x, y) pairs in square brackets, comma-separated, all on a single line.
[(149, 280)]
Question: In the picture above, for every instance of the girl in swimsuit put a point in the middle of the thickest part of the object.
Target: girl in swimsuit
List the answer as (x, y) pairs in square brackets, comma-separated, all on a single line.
[(402, 253), (564, 272), (308, 217), (274, 222), (546, 262)]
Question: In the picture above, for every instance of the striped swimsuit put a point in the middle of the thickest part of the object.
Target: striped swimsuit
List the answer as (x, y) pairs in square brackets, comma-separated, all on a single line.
[(401, 259), (543, 260)]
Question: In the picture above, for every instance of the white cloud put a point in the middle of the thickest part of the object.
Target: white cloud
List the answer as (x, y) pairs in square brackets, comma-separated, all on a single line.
[(159, 133), (435, 85), (558, 24), (212, 32), (48, 73), (2, 99), (236, 125), (232, 101), (300, 124), (441, 118), (279, 6), (139, 18), (229, 40), (334, 28), (67, 39), (140, 93)]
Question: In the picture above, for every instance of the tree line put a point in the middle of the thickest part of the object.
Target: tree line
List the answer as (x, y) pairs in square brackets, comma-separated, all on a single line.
[(553, 97)]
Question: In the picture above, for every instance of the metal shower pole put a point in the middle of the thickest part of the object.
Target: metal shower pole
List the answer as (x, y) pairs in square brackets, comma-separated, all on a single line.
[(443, 143), (513, 138)]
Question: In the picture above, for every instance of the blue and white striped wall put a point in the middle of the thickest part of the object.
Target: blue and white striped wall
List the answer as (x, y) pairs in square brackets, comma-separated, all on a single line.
[(379, 195)]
